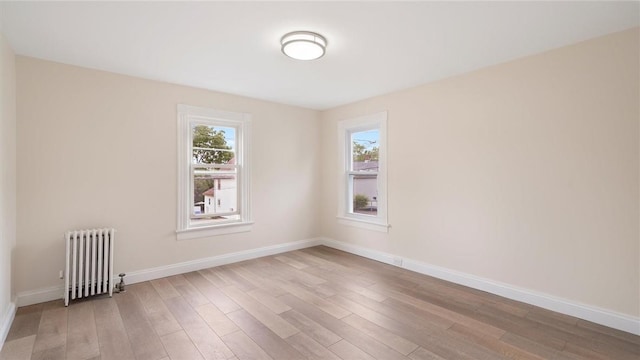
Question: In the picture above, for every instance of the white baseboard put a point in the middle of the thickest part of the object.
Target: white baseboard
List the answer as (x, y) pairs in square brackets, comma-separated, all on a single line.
[(57, 292), (361, 251), (38, 296), (199, 264), (594, 314), (587, 312), (7, 320)]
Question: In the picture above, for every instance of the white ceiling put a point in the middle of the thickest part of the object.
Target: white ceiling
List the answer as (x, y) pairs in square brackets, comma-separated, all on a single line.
[(374, 47)]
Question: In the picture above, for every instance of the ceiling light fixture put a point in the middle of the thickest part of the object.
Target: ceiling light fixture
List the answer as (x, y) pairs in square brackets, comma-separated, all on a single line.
[(303, 45)]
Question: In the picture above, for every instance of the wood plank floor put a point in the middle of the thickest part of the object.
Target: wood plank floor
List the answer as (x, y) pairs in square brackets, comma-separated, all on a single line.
[(316, 303)]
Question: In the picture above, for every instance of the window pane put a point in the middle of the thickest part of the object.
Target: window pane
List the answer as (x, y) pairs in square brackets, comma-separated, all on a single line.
[(213, 144), (365, 194), (364, 150), (215, 192)]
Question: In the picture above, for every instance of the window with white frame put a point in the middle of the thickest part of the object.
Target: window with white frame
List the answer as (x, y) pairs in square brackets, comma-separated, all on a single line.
[(363, 191), (213, 172)]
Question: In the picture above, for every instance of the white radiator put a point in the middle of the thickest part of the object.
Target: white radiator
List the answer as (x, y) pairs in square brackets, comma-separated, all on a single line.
[(89, 269)]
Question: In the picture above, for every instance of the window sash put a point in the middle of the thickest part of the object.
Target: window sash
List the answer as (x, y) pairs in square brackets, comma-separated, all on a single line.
[(351, 176), (214, 167), (349, 146), (362, 173), (235, 172)]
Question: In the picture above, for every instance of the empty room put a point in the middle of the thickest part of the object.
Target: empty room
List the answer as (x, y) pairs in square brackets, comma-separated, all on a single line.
[(320, 180)]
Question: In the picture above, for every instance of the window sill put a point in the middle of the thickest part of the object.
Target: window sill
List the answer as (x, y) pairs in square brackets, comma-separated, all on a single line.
[(214, 230), (363, 224)]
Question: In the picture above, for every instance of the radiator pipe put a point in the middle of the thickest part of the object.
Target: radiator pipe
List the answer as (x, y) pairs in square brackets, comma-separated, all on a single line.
[(120, 285)]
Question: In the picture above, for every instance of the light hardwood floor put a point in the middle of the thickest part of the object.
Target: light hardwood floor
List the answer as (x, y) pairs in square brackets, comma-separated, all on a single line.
[(316, 303)]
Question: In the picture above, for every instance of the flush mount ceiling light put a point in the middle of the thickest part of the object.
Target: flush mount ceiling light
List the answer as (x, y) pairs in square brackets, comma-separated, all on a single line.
[(303, 45)]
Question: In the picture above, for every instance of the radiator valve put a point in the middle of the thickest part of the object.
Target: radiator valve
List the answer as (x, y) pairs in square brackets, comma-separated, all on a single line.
[(120, 285)]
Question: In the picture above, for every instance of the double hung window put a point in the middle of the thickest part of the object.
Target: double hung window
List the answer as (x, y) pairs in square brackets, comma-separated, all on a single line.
[(362, 196), (212, 172)]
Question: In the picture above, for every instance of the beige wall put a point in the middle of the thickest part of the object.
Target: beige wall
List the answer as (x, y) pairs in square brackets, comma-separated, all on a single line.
[(524, 173), (98, 149), (7, 174)]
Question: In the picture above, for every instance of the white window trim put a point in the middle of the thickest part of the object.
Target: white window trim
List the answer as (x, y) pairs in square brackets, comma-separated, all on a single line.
[(186, 115), (345, 127)]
